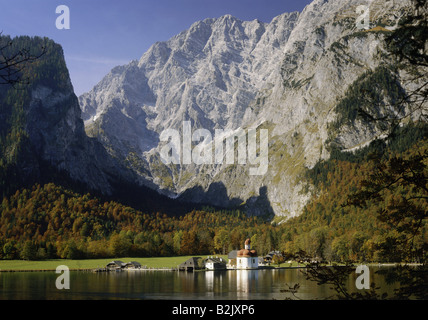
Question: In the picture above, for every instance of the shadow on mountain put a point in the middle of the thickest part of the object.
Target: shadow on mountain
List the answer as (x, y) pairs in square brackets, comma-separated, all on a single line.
[(216, 195), (259, 205), (148, 200)]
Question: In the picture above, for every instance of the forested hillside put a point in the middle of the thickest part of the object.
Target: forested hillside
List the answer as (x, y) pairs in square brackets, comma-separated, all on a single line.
[(333, 229), (49, 221), (52, 222)]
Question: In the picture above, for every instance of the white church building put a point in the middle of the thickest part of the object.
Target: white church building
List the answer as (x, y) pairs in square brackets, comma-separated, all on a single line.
[(247, 258)]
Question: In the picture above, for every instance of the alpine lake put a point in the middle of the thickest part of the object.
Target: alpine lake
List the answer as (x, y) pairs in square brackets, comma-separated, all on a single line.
[(262, 284)]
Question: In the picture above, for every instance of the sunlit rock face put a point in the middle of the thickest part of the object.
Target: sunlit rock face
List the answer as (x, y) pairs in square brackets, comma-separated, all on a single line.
[(286, 76)]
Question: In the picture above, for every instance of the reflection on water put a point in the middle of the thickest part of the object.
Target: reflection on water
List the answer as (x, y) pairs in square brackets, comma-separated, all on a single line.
[(210, 285), (239, 284), (246, 282)]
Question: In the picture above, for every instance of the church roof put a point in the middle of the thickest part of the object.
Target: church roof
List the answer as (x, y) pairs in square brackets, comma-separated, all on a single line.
[(247, 253)]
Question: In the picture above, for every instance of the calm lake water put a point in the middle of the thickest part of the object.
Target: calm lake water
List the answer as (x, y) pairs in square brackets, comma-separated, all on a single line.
[(169, 285)]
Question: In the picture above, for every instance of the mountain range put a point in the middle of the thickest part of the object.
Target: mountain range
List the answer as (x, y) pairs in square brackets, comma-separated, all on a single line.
[(288, 77), (299, 77)]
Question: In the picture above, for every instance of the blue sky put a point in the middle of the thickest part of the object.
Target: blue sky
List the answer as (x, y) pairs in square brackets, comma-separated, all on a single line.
[(104, 34)]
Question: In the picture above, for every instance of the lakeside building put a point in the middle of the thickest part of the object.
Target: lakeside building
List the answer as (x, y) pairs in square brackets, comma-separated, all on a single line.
[(212, 263), (133, 265), (269, 257), (190, 264), (118, 265), (246, 258), (115, 265)]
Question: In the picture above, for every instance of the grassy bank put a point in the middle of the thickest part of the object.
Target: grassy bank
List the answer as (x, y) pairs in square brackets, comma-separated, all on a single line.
[(155, 262), (152, 262)]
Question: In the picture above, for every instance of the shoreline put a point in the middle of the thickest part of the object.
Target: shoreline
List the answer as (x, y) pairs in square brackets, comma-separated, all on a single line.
[(102, 270)]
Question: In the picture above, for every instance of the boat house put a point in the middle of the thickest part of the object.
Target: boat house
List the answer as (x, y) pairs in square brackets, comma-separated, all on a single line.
[(115, 265), (190, 264), (214, 263), (132, 265)]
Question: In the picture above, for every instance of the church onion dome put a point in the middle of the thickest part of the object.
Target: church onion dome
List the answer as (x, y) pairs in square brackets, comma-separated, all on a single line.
[(247, 253)]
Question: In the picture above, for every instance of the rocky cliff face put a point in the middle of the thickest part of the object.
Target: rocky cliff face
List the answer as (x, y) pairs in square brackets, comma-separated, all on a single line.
[(286, 76), (42, 132), (57, 136)]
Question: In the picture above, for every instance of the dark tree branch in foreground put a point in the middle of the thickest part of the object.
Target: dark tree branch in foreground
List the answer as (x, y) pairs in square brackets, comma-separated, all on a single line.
[(336, 277), (13, 63), (403, 176), (406, 213), (408, 49)]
